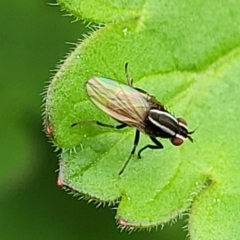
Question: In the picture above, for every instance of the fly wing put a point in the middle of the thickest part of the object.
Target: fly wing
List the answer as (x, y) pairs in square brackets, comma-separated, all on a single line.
[(119, 101)]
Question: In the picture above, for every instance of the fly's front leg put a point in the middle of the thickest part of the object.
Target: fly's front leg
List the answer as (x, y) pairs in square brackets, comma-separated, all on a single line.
[(157, 145)]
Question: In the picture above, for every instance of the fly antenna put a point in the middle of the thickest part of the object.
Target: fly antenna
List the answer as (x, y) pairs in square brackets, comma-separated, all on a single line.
[(191, 132)]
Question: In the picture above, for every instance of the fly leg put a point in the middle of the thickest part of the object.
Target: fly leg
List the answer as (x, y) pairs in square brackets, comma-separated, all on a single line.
[(157, 145), (120, 126), (129, 79), (135, 143)]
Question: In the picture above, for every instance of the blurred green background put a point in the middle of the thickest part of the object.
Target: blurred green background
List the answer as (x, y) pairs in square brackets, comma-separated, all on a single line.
[(33, 36)]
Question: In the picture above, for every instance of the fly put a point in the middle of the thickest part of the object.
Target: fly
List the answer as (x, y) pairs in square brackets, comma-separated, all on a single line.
[(134, 107)]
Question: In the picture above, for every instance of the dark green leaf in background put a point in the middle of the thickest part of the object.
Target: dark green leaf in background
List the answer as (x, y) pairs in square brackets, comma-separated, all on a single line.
[(33, 39)]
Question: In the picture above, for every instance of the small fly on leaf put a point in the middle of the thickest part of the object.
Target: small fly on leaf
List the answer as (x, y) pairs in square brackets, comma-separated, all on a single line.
[(134, 107)]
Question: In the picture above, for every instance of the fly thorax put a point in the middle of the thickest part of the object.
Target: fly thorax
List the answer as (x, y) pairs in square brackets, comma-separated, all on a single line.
[(164, 123)]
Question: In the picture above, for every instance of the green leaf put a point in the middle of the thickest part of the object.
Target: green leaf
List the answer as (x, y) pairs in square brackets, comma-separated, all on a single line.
[(187, 55)]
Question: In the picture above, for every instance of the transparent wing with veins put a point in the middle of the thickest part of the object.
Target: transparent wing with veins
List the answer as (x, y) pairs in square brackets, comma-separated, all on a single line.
[(120, 101)]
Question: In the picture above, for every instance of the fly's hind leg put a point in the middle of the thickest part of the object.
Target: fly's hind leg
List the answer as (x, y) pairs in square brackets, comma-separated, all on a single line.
[(120, 126)]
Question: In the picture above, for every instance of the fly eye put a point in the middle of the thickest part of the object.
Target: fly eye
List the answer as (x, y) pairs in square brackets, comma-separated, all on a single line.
[(181, 120), (177, 141)]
